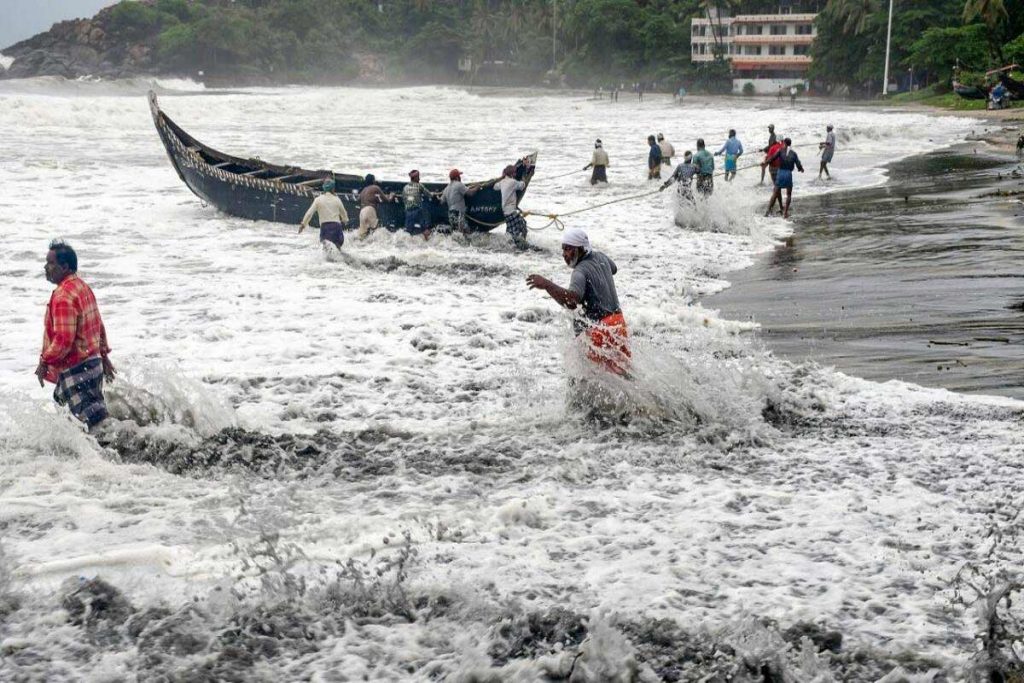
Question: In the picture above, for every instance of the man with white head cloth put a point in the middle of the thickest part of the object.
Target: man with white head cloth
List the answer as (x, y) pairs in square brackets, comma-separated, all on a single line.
[(592, 294)]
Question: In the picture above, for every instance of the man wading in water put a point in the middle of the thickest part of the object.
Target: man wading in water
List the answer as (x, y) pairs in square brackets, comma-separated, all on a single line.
[(331, 213), (591, 288), (784, 180), (75, 345)]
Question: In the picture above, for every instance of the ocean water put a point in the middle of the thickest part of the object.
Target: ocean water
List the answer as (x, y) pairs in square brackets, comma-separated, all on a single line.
[(379, 465)]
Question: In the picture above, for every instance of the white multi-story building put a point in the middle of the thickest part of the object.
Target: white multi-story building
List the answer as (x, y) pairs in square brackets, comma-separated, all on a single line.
[(771, 51)]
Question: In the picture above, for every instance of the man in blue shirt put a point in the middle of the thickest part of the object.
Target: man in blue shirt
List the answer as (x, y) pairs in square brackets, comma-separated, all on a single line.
[(732, 149), (788, 160), (705, 164), (653, 159)]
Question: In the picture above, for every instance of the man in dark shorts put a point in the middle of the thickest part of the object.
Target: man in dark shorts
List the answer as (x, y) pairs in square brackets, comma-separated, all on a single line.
[(592, 291), (705, 164), (454, 195), (75, 349), (331, 213), (653, 159), (415, 196), (683, 175)]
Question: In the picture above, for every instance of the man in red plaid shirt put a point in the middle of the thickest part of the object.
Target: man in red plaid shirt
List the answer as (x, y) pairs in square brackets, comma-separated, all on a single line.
[(75, 345)]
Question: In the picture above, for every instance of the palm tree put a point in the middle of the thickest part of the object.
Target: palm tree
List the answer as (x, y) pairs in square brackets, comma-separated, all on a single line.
[(855, 14), (719, 6), (992, 12)]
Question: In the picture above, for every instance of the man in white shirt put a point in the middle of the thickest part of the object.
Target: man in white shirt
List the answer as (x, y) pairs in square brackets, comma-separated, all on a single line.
[(332, 215), (828, 148), (515, 222), (667, 150)]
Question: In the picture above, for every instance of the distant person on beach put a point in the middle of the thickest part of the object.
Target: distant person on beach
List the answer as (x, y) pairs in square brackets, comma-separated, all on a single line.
[(331, 212), (733, 150), (454, 195), (370, 198), (667, 150), (683, 177), (828, 148), (792, 94), (772, 140), (599, 162), (705, 164), (592, 294), (653, 159), (773, 162), (779, 96), (1020, 146), (75, 349), (415, 196), (515, 222), (788, 160)]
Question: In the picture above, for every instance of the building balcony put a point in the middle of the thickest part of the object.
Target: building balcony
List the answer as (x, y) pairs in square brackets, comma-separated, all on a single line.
[(773, 18), (788, 39), (753, 62)]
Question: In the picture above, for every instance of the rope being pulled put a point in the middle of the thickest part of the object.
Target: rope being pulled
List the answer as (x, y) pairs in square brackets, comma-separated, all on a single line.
[(556, 218)]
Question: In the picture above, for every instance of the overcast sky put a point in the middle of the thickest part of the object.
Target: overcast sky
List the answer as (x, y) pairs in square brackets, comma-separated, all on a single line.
[(20, 19)]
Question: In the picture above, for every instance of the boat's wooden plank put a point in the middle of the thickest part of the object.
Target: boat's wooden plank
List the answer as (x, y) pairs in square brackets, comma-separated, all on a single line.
[(258, 170), (288, 178), (314, 181), (223, 164)]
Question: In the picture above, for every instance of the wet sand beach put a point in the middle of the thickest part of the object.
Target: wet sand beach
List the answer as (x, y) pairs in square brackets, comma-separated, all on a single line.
[(917, 280)]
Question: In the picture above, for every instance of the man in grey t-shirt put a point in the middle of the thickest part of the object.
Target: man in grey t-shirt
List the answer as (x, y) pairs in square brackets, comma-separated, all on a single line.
[(592, 291), (454, 195)]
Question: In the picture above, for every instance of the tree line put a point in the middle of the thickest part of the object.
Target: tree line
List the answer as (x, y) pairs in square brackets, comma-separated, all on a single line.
[(579, 42)]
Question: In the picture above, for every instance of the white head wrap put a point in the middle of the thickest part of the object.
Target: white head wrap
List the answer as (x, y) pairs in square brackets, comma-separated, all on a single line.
[(575, 237)]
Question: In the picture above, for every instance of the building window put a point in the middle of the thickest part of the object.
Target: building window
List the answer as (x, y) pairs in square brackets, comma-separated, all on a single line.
[(754, 30), (801, 49), (776, 49), (778, 29), (751, 49), (804, 29)]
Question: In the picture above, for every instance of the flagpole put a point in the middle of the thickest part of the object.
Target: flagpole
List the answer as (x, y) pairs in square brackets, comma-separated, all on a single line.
[(888, 43)]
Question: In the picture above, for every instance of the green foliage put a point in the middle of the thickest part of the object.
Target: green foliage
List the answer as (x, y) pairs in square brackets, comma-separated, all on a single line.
[(1014, 50), (938, 50), (134, 19), (748, 89)]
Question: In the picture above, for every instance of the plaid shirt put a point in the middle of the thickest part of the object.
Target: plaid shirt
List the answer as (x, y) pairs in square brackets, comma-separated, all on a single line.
[(73, 331)]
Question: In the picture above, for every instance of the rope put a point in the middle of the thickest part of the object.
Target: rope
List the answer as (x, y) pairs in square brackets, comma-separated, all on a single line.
[(560, 175), (556, 218)]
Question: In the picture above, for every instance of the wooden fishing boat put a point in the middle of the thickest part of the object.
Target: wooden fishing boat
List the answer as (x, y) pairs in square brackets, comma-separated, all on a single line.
[(969, 92), (256, 189)]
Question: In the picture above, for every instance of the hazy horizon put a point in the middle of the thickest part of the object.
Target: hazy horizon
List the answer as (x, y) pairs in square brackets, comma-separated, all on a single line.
[(21, 19)]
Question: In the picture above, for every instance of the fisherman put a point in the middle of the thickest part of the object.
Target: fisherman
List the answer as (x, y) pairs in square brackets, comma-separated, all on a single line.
[(683, 175), (599, 162), (667, 150), (592, 293), (784, 181), (705, 164), (1020, 146), (653, 159), (415, 195), (332, 215), (773, 166), (779, 96), (75, 349), (370, 198), (732, 149), (454, 195), (772, 139), (792, 95), (515, 223), (828, 148)]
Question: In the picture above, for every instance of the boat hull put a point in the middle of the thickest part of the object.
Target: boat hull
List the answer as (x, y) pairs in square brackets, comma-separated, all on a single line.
[(251, 188)]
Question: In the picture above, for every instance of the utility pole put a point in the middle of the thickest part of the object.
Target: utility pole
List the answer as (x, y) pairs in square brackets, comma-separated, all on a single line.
[(888, 43), (554, 34)]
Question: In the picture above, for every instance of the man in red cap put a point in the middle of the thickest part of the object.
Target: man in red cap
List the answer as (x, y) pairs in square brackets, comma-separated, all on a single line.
[(415, 195), (454, 195)]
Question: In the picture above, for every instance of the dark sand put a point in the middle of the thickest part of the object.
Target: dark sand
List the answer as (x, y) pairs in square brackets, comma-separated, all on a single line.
[(920, 280)]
